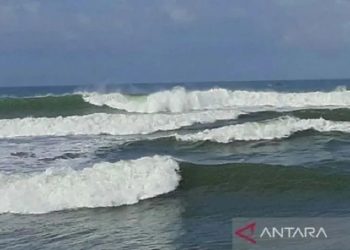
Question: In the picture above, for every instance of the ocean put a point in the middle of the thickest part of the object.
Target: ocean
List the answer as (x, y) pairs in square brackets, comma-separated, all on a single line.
[(167, 166)]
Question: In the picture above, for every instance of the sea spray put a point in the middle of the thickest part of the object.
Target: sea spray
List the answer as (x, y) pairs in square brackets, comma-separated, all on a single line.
[(180, 100)]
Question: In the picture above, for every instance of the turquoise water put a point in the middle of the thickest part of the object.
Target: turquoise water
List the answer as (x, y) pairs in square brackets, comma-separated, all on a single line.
[(284, 153)]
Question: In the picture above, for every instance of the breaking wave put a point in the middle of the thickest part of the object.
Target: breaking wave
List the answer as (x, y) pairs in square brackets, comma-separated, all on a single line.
[(179, 100), (103, 185), (267, 130), (113, 124), (129, 181), (175, 100)]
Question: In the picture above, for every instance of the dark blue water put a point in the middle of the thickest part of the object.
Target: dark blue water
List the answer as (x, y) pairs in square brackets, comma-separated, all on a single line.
[(305, 173), (144, 88)]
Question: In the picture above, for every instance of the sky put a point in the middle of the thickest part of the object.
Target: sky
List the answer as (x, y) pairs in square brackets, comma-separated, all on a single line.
[(53, 42)]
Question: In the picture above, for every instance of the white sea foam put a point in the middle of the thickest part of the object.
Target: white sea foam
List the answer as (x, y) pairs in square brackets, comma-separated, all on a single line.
[(113, 124), (266, 130), (103, 185), (180, 100)]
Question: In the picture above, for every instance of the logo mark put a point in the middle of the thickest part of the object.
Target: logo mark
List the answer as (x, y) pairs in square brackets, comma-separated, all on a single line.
[(247, 232)]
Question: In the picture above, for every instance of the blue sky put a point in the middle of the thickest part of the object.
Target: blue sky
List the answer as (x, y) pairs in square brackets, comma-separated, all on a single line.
[(51, 42)]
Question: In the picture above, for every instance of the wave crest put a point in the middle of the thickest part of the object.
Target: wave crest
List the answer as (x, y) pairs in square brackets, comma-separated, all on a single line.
[(103, 185), (267, 130), (180, 100), (113, 124)]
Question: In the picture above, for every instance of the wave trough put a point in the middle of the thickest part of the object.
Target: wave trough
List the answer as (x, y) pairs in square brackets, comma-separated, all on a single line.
[(48, 106), (103, 185)]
